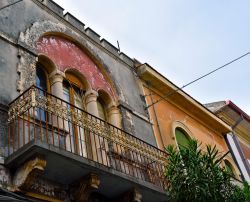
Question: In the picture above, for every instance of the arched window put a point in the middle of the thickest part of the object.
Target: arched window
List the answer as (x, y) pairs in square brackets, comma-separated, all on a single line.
[(101, 109), (41, 83), (41, 78), (73, 93), (229, 168), (181, 137)]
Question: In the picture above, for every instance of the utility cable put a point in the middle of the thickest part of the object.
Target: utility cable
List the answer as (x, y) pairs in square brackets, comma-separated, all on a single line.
[(199, 78), (10, 5)]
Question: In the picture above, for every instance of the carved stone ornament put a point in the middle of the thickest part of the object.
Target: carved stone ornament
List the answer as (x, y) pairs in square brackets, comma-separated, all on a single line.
[(27, 173), (48, 188), (85, 187), (26, 70), (133, 195)]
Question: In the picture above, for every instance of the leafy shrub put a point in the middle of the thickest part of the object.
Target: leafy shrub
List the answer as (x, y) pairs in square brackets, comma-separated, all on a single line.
[(194, 174)]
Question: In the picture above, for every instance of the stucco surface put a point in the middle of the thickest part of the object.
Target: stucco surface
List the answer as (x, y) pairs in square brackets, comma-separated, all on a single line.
[(169, 116), (26, 22)]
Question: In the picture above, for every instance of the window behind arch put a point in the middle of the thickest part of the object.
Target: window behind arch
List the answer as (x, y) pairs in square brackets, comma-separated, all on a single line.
[(73, 93), (101, 109), (42, 83), (181, 137), (41, 78)]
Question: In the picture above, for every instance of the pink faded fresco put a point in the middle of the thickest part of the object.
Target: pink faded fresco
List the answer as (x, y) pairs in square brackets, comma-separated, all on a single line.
[(67, 55)]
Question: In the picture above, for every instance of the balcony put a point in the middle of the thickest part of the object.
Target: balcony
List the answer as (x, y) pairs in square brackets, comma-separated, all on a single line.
[(75, 143)]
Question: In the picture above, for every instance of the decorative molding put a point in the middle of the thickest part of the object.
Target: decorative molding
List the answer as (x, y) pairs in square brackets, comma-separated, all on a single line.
[(26, 69), (47, 189), (85, 187), (83, 120), (179, 124), (38, 29), (26, 174)]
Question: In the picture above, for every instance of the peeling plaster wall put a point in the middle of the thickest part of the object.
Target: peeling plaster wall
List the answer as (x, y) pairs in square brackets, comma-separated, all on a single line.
[(20, 16), (24, 23), (66, 54), (8, 72)]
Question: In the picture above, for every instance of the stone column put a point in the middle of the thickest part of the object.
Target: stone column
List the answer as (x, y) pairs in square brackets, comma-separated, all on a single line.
[(114, 116), (91, 102), (56, 83), (94, 151), (59, 135)]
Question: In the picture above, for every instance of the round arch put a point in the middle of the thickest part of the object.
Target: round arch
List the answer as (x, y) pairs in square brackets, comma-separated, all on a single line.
[(105, 97), (182, 130), (73, 75), (47, 63), (30, 37)]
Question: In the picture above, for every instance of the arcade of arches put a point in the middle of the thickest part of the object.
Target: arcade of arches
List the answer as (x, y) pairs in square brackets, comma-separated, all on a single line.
[(67, 72)]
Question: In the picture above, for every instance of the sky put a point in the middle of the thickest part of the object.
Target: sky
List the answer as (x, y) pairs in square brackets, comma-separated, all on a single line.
[(182, 39)]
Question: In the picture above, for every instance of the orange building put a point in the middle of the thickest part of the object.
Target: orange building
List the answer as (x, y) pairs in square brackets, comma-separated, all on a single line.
[(238, 140), (176, 116)]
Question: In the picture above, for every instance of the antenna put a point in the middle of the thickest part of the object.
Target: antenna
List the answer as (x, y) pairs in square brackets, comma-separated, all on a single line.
[(119, 50)]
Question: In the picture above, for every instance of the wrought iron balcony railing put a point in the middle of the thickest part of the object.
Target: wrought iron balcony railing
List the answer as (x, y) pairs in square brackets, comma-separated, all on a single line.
[(38, 115)]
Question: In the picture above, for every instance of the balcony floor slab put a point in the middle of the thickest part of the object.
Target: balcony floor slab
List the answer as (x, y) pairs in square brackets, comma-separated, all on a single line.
[(65, 167)]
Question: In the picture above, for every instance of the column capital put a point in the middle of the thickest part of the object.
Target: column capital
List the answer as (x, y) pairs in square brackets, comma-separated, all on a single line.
[(56, 76), (91, 96), (85, 187), (91, 92), (114, 115), (91, 102), (113, 109)]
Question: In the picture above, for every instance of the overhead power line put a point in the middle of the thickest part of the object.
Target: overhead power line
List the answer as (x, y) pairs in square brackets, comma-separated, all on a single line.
[(199, 78), (10, 5)]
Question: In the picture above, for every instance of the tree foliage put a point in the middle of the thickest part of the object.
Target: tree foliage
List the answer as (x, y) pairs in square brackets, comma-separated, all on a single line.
[(194, 174)]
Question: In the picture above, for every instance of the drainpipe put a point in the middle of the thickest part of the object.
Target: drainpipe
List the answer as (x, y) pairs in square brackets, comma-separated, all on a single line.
[(155, 114)]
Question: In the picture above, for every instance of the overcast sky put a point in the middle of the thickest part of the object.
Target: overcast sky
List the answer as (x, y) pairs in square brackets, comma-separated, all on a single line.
[(182, 39)]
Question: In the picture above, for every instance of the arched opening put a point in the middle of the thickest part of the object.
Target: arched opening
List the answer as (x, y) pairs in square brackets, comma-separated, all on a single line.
[(182, 137), (41, 77), (101, 109), (73, 92), (46, 63), (103, 103), (65, 52), (42, 82)]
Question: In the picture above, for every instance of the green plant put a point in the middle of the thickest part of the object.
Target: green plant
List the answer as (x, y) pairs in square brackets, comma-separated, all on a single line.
[(194, 174)]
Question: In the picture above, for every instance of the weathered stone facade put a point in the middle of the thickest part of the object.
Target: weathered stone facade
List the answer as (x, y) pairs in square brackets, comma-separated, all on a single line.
[(25, 28), (76, 116)]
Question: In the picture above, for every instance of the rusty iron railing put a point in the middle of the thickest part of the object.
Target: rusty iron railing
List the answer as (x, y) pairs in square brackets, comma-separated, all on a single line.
[(38, 115)]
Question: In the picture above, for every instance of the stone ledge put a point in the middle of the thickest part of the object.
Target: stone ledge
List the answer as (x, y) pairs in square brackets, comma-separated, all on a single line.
[(74, 21), (127, 59), (53, 6), (92, 34), (110, 47)]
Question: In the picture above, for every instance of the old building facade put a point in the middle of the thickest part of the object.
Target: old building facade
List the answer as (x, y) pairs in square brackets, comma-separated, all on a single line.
[(177, 117), (73, 123), (76, 120)]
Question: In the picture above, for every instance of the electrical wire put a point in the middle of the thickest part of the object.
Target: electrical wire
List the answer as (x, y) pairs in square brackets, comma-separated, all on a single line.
[(10, 5), (199, 78)]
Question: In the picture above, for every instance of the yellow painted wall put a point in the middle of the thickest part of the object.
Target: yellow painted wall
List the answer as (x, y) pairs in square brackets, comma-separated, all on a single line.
[(169, 116)]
